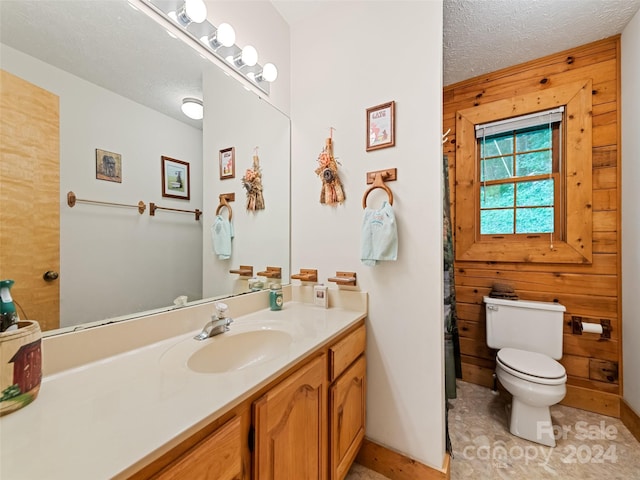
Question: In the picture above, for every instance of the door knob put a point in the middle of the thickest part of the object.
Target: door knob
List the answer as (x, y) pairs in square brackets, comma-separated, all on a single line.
[(50, 276)]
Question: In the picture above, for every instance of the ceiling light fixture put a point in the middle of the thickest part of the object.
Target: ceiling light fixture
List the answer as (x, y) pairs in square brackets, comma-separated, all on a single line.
[(193, 108)]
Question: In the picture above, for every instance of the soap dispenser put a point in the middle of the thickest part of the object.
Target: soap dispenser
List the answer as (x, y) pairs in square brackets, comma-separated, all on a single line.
[(8, 315), (275, 296)]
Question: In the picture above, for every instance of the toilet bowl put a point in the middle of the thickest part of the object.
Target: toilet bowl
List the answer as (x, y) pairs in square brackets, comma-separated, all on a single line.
[(536, 382), (528, 337)]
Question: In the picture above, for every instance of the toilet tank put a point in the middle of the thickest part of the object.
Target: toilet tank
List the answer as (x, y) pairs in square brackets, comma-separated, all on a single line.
[(524, 324)]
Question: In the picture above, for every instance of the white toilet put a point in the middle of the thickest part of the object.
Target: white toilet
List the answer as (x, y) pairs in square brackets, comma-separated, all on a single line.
[(529, 337)]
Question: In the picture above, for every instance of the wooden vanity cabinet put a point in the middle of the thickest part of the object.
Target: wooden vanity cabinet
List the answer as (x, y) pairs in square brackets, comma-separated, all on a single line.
[(347, 402), (308, 424), (290, 419), (291, 428)]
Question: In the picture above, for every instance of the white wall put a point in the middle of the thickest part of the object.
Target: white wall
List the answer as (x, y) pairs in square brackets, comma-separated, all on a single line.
[(345, 58), (631, 212), (113, 260)]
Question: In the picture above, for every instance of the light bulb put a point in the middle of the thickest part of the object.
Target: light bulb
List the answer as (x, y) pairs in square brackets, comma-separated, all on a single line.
[(192, 11), (269, 72), (226, 35), (192, 108), (249, 56)]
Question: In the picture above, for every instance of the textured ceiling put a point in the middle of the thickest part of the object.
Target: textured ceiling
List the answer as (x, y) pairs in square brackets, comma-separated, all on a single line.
[(482, 36), (110, 44)]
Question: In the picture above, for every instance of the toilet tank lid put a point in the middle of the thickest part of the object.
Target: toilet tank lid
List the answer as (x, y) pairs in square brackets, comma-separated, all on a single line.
[(525, 304)]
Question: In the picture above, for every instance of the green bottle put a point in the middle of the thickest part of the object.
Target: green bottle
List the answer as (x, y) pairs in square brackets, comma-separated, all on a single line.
[(8, 314)]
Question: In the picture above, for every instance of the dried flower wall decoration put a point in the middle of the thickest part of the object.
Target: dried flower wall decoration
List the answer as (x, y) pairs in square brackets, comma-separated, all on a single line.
[(332, 192), (252, 182)]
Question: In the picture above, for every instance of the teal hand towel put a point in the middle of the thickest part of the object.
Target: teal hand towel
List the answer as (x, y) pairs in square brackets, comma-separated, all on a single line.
[(221, 235), (379, 235)]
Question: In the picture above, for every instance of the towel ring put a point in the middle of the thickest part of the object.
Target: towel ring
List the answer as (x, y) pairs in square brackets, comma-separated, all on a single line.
[(224, 203), (378, 182)]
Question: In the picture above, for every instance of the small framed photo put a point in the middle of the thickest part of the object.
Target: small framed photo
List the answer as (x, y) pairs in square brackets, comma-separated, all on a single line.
[(381, 128), (227, 163), (175, 178), (108, 166)]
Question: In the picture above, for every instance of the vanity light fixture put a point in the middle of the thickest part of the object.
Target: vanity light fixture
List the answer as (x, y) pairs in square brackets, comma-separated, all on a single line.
[(192, 11), (193, 108), (248, 56), (187, 18), (224, 36), (268, 74)]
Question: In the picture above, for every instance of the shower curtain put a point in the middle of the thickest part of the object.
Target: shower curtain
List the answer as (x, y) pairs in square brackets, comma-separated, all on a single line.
[(452, 363)]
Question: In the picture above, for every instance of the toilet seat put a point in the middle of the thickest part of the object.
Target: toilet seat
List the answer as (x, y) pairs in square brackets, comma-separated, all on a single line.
[(531, 366)]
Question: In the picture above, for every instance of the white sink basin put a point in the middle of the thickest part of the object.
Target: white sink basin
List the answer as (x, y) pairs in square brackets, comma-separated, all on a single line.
[(228, 352), (225, 353)]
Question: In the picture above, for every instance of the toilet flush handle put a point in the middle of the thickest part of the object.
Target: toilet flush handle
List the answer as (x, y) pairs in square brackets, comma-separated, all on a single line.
[(492, 307)]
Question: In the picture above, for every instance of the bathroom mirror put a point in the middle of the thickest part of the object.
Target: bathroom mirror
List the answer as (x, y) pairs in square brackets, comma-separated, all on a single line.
[(121, 79)]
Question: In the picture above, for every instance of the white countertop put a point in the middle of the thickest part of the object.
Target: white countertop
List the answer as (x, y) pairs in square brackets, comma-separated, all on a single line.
[(109, 418)]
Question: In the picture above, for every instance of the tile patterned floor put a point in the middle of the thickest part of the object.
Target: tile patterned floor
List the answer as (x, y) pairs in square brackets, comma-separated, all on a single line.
[(589, 446)]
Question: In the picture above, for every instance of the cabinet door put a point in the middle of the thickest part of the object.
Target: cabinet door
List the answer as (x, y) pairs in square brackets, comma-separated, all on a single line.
[(291, 428), (347, 398), (218, 457)]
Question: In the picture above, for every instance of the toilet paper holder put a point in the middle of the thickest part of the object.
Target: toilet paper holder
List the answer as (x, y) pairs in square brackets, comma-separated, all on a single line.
[(577, 327)]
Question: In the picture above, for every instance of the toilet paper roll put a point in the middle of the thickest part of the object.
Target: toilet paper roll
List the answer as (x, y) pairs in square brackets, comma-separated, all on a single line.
[(591, 328)]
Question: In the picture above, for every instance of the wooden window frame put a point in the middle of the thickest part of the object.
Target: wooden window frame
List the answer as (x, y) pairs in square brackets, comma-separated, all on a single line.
[(576, 246), (558, 191)]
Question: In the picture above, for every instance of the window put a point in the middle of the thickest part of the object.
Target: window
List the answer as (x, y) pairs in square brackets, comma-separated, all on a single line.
[(520, 179), (508, 200)]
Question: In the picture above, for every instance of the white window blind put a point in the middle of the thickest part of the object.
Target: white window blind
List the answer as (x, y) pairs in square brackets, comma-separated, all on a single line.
[(518, 123)]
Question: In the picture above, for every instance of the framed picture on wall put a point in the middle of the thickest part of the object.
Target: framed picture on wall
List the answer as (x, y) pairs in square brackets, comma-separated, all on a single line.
[(175, 178), (381, 126), (108, 166), (227, 163)]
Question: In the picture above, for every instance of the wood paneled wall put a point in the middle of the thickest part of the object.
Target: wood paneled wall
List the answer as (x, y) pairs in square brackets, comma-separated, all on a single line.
[(588, 291)]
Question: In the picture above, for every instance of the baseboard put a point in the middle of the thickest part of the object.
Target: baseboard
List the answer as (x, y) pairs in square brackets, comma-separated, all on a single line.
[(630, 419), (396, 466), (592, 400)]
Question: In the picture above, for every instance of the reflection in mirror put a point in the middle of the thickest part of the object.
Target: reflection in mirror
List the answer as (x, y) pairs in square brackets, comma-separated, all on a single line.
[(113, 261)]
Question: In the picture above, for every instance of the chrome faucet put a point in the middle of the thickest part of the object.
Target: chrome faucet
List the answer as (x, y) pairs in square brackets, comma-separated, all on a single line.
[(219, 323)]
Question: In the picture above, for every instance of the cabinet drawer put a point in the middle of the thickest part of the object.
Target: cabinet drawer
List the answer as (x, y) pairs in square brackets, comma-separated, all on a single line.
[(344, 352)]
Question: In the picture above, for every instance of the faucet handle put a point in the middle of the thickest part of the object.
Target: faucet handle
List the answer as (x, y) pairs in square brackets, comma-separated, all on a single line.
[(221, 309)]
